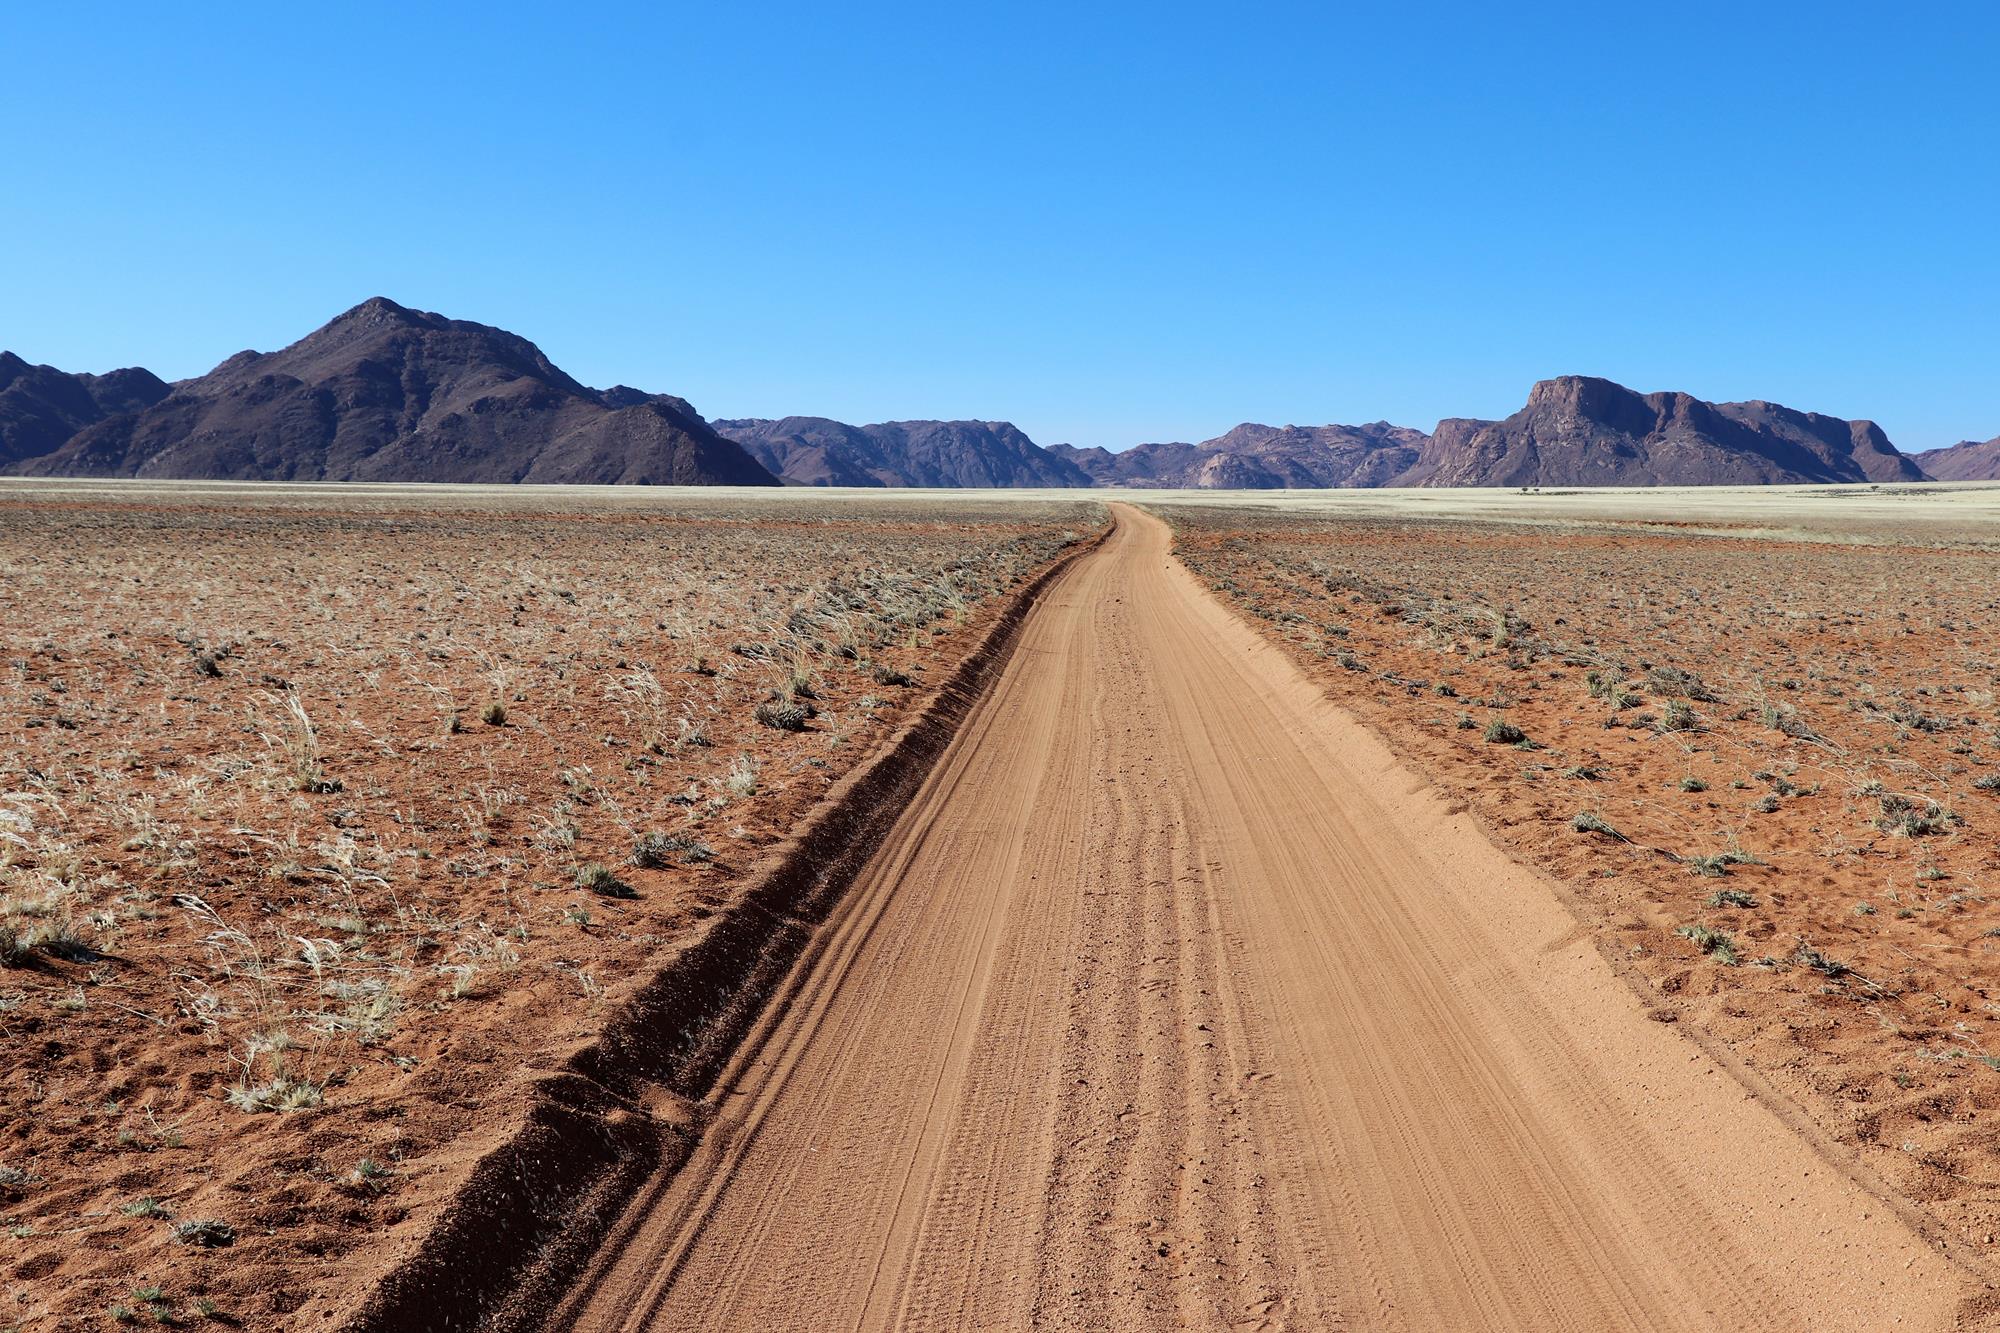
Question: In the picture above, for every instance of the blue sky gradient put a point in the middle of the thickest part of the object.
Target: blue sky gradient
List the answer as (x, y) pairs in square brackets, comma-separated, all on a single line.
[(1136, 223)]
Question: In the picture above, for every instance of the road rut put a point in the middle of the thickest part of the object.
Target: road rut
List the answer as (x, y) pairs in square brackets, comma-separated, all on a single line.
[(1174, 1002)]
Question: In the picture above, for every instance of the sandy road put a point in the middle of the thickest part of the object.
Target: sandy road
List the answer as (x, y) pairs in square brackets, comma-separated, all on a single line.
[(1173, 1002)]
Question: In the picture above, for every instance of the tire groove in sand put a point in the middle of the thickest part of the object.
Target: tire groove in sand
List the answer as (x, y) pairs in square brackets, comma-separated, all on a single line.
[(1174, 1002)]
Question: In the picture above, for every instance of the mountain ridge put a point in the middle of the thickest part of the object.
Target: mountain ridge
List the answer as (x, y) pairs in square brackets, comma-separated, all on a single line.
[(1581, 430), (1968, 460), (42, 407), (819, 451), (386, 393)]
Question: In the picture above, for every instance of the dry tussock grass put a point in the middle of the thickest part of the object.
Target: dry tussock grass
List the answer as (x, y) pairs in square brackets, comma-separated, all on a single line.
[(322, 828)]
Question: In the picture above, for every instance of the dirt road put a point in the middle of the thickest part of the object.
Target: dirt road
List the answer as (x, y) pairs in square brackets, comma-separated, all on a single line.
[(1173, 1002)]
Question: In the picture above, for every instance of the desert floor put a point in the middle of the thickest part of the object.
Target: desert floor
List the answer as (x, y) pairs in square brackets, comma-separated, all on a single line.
[(1354, 911), (1177, 1002)]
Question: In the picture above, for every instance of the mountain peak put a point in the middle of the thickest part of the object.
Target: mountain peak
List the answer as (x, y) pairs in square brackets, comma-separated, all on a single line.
[(386, 393), (376, 315), (378, 309)]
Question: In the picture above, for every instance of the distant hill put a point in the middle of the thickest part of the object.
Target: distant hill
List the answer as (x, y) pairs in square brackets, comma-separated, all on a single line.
[(1581, 431), (1254, 457), (384, 393), (42, 407), (813, 451), (1968, 460), (1574, 431)]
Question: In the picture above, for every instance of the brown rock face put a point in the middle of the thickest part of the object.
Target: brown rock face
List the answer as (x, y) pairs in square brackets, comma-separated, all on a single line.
[(1968, 460), (1581, 431), (813, 451), (1256, 457), (42, 407), (385, 393)]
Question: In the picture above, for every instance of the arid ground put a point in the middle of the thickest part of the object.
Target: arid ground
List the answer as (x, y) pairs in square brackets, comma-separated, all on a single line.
[(331, 819), (1466, 912)]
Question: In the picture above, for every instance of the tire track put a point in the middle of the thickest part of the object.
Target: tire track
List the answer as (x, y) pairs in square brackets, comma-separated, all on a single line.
[(1173, 1002)]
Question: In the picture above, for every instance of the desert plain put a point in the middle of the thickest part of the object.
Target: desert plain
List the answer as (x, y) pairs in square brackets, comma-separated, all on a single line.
[(452, 907)]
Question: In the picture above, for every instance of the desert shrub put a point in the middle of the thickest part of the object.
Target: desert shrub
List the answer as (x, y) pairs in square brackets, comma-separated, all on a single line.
[(1911, 818), (656, 851), (600, 879), (1821, 963), (205, 1232), (1586, 822), (1502, 732), (783, 714), (1732, 898), (1679, 716), (1693, 784), (1717, 944), (494, 714), (1673, 682), (883, 675), (281, 1093)]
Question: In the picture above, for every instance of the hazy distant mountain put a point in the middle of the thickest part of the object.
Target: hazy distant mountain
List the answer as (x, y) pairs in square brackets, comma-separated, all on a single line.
[(384, 393), (1968, 460), (813, 451), (1580, 431), (41, 407), (1254, 457)]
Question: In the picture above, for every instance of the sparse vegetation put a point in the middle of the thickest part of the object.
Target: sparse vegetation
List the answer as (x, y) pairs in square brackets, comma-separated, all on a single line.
[(207, 1233), (657, 851), (598, 878), (1842, 680), (319, 885), (1717, 944)]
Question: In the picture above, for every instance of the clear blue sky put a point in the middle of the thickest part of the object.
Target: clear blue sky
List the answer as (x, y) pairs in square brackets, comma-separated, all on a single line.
[(1140, 222)]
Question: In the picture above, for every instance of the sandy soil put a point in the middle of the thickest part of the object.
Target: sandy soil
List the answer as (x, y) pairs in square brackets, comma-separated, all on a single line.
[(291, 919), (1765, 770), (1176, 1001)]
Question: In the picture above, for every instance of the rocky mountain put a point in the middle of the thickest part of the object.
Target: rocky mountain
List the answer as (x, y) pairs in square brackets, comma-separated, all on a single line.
[(384, 393), (813, 451), (1968, 460), (1581, 431), (41, 407), (1254, 457)]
